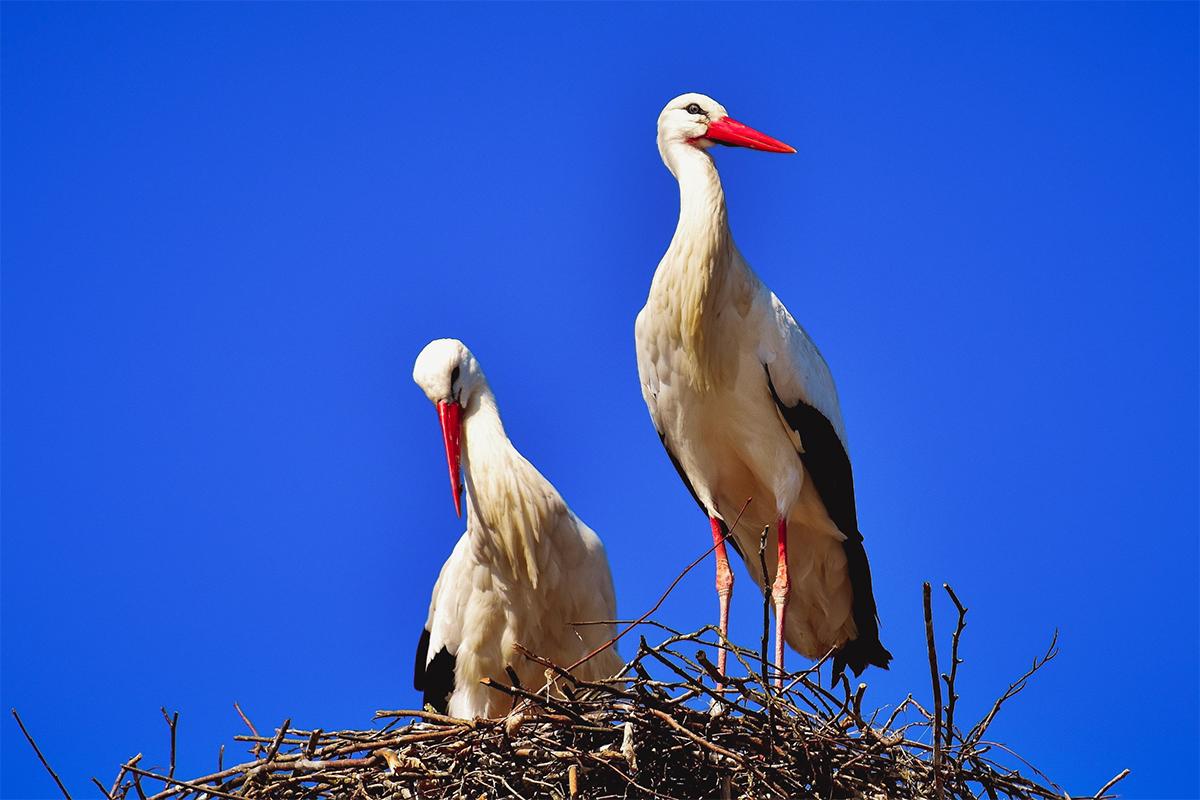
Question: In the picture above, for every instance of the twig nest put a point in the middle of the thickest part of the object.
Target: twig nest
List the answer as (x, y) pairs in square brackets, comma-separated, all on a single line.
[(651, 733)]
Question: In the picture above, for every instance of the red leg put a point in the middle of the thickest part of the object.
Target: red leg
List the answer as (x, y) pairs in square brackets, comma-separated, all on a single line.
[(779, 593), (724, 586)]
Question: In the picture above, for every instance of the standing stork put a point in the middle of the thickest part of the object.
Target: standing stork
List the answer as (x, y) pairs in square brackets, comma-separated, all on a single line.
[(747, 409), (523, 571)]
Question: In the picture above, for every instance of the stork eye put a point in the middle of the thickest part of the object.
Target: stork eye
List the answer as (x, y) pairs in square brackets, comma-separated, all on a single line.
[(693, 108)]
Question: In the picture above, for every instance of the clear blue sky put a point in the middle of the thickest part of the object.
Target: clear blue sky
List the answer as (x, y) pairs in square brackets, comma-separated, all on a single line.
[(228, 229)]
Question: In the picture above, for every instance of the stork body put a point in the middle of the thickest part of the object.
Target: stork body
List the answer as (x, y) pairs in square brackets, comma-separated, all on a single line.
[(525, 568), (747, 409)]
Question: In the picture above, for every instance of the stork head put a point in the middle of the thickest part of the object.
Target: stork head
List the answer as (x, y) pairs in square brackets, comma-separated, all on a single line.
[(450, 377), (699, 121)]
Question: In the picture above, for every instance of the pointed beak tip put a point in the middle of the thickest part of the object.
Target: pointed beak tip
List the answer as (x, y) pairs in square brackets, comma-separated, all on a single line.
[(450, 417)]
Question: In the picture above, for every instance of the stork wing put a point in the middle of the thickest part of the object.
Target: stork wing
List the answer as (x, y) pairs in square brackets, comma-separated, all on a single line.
[(647, 373), (806, 399), (796, 367), (433, 675), (804, 394), (647, 351)]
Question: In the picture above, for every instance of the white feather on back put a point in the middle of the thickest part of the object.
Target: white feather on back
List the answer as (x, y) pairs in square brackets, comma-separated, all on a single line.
[(481, 610)]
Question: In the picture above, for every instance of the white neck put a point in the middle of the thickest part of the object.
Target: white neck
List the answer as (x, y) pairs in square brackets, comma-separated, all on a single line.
[(701, 267), (508, 502), (485, 445), (703, 227)]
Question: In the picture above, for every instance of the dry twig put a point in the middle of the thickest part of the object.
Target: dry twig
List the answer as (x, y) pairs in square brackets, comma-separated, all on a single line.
[(41, 757), (931, 646)]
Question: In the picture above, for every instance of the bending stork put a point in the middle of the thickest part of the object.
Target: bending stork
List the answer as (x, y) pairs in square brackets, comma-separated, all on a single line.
[(525, 568), (747, 409)]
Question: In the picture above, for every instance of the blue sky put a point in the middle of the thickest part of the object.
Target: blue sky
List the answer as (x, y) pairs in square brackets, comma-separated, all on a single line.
[(228, 229)]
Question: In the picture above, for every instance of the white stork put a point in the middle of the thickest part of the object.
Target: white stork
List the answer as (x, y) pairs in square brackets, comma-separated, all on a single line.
[(747, 410), (525, 568)]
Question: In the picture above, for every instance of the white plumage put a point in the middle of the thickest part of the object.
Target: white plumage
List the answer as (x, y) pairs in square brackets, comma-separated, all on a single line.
[(525, 568), (747, 408)]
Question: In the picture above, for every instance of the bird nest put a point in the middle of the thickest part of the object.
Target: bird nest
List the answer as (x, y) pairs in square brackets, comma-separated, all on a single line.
[(660, 729)]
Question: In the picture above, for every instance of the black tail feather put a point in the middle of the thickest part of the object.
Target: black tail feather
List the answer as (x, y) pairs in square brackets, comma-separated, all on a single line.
[(865, 649), (858, 654)]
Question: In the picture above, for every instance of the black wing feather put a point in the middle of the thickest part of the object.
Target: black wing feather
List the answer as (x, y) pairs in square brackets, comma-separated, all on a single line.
[(828, 466), (434, 678), (422, 657)]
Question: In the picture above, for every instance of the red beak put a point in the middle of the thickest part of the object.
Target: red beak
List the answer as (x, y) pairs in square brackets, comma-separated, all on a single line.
[(731, 132), (450, 415)]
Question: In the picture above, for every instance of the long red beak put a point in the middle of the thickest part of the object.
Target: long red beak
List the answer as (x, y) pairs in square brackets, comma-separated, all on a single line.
[(450, 415), (731, 132)]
